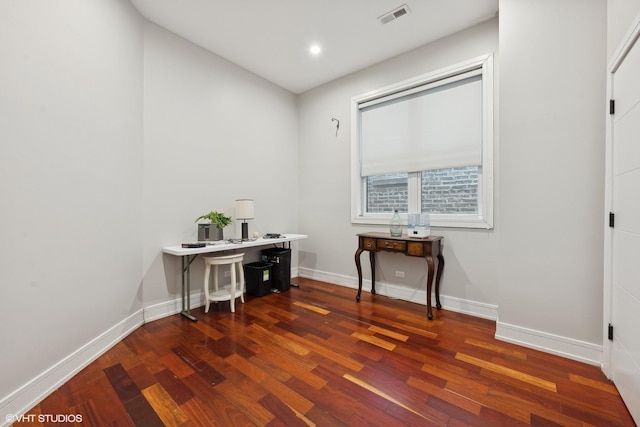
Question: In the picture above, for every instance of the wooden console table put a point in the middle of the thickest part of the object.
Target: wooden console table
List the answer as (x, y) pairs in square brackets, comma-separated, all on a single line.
[(427, 248)]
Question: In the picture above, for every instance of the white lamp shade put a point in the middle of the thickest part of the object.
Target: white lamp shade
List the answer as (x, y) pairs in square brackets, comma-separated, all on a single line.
[(244, 209)]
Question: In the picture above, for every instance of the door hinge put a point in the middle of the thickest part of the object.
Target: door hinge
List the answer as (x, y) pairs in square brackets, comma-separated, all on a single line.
[(610, 332), (612, 106), (612, 219)]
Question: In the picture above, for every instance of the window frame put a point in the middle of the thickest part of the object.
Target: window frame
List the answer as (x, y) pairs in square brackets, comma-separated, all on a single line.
[(484, 217)]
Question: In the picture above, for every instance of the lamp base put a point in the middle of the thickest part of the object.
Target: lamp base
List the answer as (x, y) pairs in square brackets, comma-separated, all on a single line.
[(245, 231)]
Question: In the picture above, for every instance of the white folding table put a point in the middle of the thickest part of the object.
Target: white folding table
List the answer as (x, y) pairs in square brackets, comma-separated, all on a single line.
[(188, 255)]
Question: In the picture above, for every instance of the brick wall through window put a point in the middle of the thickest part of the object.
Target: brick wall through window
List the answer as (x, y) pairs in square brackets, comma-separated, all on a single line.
[(453, 190)]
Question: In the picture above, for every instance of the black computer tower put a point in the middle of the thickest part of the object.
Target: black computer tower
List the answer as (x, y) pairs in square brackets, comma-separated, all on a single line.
[(280, 259)]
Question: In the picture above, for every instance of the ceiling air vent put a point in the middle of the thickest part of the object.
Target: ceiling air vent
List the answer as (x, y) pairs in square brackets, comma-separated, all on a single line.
[(394, 14)]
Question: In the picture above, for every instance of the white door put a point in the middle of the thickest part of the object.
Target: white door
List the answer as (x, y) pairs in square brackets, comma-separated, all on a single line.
[(623, 241)]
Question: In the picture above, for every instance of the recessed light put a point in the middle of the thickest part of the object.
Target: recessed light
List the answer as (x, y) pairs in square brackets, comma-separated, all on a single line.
[(315, 49)]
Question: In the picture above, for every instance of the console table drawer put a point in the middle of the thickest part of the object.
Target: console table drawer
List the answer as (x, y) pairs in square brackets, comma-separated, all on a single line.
[(369, 244), (392, 245), (416, 249)]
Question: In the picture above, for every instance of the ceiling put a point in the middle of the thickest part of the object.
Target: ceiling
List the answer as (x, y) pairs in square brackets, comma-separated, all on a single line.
[(271, 38)]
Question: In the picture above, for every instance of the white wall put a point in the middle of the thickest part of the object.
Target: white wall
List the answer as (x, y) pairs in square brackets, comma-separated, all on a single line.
[(75, 186), (84, 213), (325, 177), (213, 133), (620, 16), (542, 263), (70, 180), (552, 117)]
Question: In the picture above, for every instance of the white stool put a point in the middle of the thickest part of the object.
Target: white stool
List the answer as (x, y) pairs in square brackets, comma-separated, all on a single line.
[(228, 293)]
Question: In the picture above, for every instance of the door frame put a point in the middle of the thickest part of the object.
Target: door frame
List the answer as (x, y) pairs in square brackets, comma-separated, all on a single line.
[(628, 42)]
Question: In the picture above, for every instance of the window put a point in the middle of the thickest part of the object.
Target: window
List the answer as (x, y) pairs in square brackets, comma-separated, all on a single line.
[(426, 145)]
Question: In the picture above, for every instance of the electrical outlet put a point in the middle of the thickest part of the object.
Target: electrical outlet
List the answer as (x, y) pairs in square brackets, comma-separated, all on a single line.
[(227, 273), (399, 273)]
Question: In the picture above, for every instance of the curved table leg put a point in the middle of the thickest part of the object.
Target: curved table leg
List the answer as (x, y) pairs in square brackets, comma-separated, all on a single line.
[(438, 276), (359, 268), (372, 260), (430, 269)]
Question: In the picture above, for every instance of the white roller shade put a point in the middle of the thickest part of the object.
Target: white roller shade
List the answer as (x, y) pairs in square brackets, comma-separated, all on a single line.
[(433, 127)]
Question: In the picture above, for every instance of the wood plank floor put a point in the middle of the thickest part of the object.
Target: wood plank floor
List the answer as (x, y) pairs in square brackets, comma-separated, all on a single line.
[(313, 356)]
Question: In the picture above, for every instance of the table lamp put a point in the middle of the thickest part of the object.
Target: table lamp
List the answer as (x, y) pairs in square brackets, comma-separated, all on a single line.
[(244, 211)]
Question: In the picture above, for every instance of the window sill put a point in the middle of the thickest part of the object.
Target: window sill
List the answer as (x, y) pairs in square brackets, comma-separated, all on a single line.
[(436, 220)]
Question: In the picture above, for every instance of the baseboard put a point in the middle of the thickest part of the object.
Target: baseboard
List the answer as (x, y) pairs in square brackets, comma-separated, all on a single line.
[(40, 387), (549, 343), (171, 307), (36, 390), (174, 306), (418, 296), (33, 392), (336, 279)]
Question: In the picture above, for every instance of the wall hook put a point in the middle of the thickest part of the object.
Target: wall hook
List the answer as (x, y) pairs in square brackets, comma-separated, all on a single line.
[(337, 124)]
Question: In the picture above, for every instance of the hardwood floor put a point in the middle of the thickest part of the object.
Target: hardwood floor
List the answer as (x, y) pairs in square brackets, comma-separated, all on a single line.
[(313, 356)]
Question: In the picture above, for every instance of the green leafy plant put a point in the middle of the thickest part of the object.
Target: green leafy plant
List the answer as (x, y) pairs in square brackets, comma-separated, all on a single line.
[(216, 218)]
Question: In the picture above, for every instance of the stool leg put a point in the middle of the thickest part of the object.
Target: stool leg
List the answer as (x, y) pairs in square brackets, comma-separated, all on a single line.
[(242, 284), (207, 271), (232, 301)]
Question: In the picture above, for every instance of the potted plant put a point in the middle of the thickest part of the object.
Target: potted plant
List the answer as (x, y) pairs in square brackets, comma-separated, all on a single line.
[(213, 229)]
